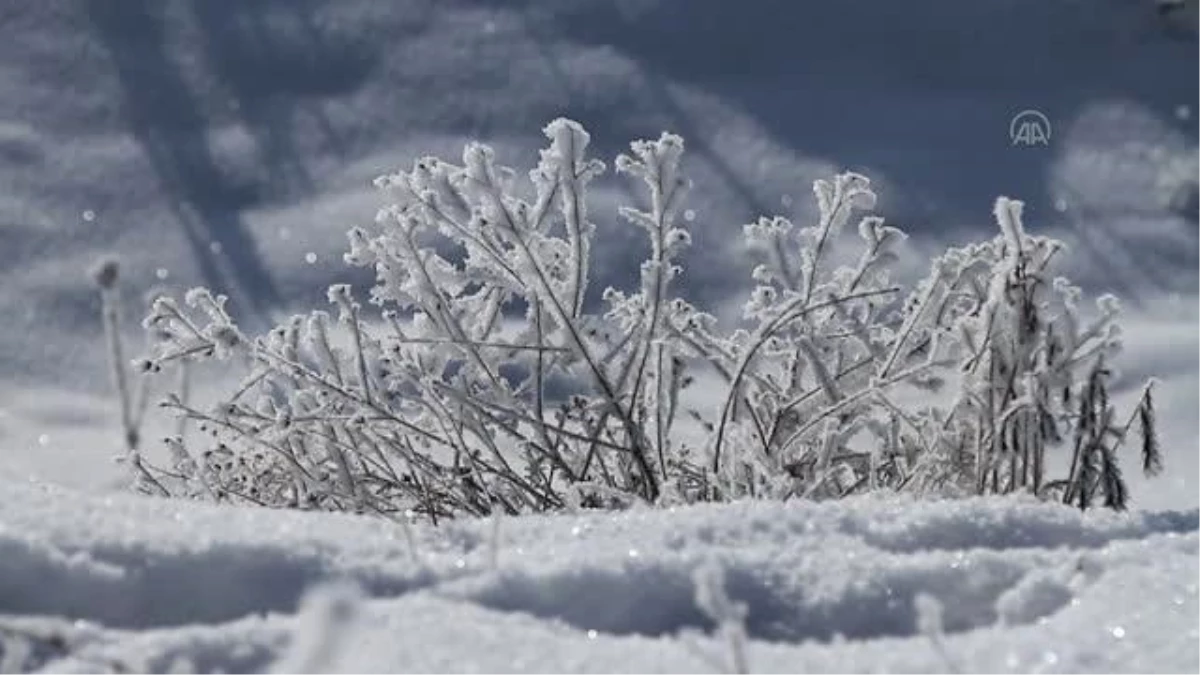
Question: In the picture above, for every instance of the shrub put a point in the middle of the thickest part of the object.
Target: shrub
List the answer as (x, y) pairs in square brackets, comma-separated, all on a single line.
[(487, 382)]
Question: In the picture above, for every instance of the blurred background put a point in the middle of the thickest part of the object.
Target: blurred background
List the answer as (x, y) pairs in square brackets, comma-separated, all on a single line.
[(232, 143)]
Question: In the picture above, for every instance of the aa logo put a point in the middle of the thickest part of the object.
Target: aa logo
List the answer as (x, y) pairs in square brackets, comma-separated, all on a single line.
[(1029, 128)]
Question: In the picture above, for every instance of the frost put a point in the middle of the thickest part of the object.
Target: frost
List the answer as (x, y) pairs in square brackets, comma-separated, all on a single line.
[(484, 377)]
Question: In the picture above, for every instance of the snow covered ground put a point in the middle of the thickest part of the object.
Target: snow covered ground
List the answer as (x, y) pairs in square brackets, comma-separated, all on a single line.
[(118, 582), (232, 144)]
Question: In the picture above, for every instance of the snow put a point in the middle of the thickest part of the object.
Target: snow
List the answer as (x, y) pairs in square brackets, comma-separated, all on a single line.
[(157, 585), (235, 146)]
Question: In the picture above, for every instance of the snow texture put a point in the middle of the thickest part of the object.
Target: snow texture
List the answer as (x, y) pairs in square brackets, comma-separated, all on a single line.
[(92, 583)]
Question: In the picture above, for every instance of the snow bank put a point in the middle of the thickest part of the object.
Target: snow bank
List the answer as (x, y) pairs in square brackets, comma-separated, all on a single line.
[(102, 582)]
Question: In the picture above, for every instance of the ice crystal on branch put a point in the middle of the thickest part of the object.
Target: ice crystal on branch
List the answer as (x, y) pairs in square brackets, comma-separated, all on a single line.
[(479, 379)]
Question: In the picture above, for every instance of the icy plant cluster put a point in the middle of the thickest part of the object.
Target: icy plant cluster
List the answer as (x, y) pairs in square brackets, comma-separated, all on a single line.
[(485, 378)]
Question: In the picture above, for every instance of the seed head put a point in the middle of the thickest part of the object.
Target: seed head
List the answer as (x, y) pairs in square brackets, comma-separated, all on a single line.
[(105, 273)]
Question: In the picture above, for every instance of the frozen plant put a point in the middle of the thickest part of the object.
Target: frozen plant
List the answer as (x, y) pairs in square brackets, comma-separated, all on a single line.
[(325, 623), (1032, 373), (487, 379), (448, 405), (728, 615), (928, 611), (132, 397)]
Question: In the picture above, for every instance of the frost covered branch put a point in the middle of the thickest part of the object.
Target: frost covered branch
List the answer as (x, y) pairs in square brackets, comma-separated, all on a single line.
[(484, 377)]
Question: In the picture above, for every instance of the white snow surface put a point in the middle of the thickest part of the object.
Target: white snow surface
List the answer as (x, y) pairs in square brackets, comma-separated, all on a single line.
[(119, 582)]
